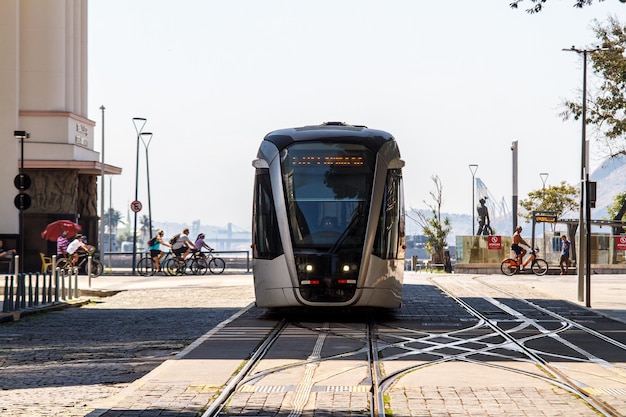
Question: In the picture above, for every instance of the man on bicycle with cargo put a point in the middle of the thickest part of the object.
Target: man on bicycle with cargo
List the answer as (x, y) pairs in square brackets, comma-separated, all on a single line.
[(74, 246), (183, 244), (518, 240)]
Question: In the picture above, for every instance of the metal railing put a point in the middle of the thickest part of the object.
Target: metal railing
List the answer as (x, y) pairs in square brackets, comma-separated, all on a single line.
[(123, 260)]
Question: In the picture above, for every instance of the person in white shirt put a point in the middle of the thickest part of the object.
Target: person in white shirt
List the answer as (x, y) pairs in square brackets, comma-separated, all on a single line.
[(73, 247)]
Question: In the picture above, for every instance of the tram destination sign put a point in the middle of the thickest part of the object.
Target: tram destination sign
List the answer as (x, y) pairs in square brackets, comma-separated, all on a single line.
[(545, 216)]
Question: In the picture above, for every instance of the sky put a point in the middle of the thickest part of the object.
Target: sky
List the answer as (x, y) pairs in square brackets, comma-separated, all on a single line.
[(455, 82)]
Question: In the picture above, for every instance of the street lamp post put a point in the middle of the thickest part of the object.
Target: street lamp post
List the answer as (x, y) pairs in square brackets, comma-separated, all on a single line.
[(544, 178), (583, 263), (139, 123), (101, 245), (473, 168), (146, 144)]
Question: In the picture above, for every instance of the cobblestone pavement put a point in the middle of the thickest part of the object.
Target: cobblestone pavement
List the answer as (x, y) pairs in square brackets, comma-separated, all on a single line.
[(59, 363)]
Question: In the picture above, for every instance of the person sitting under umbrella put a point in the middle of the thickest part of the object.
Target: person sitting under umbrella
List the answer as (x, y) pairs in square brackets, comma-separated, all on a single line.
[(72, 248)]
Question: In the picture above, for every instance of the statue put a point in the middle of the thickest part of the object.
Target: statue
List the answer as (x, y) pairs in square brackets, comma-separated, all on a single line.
[(484, 224)]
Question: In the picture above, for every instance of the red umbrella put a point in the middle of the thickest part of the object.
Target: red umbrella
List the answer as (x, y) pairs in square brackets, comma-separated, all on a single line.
[(54, 229)]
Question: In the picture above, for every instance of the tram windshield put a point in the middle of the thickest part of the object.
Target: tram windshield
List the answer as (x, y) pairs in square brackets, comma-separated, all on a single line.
[(327, 190)]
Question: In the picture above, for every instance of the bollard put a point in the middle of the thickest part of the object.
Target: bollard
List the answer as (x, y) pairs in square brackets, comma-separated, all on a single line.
[(69, 288), (63, 292), (56, 286), (50, 278), (76, 293), (37, 289), (30, 289), (5, 304), (89, 270), (12, 294), (22, 285)]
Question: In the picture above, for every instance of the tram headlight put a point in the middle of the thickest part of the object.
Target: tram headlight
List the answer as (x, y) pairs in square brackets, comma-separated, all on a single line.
[(345, 268), (308, 268)]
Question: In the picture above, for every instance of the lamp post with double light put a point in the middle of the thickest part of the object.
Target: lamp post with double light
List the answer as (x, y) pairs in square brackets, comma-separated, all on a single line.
[(146, 144), (584, 263), (544, 178), (473, 168), (139, 123)]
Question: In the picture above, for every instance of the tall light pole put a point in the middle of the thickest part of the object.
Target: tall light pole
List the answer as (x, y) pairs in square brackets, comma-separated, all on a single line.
[(146, 144), (583, 264), (473, 168), (101, 245), (544, 178), (139, 123)]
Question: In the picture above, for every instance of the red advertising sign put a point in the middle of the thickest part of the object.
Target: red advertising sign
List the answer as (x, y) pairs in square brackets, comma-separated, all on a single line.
[(620, 242), (494, 242)]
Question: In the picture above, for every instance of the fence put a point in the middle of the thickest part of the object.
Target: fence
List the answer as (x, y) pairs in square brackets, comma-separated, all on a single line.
[(30, 290)]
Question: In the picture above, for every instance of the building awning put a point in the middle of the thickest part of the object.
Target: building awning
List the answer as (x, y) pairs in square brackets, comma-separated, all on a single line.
[(83, 167)]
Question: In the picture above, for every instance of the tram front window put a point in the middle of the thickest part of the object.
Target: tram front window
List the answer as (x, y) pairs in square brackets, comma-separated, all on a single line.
[(327, 190)]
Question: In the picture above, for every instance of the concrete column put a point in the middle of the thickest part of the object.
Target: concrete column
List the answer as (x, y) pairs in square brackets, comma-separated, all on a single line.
[(9, 79)]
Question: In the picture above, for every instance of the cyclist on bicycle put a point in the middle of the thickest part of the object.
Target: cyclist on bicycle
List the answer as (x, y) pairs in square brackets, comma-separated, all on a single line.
[(74, 246), (183, 244), (201, 244), (515, 246), (155, 248)]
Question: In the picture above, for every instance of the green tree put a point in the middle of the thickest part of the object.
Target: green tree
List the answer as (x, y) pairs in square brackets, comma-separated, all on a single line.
[(145, 226), (538, 4), (617, 211), (559, 198), (434, 227), (113, 218), (606, 106)]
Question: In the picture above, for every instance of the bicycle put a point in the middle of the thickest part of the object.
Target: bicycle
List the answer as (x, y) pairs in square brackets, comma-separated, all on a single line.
[(147, 267), (512, 266), (207, 259), (67, 264)]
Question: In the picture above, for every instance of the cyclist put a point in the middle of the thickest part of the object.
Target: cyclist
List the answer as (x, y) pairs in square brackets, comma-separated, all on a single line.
[(155, 249), (183, 244), (515, 246), (201, 244), (74, 246)]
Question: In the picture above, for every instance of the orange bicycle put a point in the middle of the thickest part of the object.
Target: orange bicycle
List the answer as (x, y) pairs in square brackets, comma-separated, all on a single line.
[(511, 266)]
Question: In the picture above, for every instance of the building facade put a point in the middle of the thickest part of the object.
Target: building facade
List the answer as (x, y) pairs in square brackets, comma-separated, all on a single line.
[(43, 91)]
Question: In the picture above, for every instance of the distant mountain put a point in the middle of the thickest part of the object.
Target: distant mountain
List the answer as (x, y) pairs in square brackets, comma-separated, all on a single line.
[(611, 180)]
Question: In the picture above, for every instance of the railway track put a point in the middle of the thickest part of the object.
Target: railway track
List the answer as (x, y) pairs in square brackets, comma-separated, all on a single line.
[(495, 353)]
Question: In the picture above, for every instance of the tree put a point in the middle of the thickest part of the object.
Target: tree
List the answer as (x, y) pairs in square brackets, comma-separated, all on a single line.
[(617, 211), (559, 198), (113, 218), (606, 107), (538, 4), (145, 226), (435, 228)]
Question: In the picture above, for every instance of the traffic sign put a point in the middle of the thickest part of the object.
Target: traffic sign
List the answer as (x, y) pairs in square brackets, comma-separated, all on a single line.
[(22, 182), (22, 201), (136, 206)]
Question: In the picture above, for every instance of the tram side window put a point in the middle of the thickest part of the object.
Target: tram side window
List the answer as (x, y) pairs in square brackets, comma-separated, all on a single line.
[(390, 231), (267, 243)]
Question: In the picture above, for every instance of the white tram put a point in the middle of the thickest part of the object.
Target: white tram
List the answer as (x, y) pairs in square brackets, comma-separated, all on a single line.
[(328, 218)]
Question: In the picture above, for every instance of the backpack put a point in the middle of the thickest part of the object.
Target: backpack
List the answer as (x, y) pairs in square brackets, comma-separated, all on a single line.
[(152, 241), (174, 238)]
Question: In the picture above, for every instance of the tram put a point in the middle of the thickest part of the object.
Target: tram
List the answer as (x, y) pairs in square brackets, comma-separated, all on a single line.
[(328, 218)]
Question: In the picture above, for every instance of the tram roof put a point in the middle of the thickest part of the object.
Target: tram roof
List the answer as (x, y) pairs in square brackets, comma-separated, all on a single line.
[(335, 131)]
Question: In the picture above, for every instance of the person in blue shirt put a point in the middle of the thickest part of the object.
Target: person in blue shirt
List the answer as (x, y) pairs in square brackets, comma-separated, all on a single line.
[(155, 249), (564, 262)]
